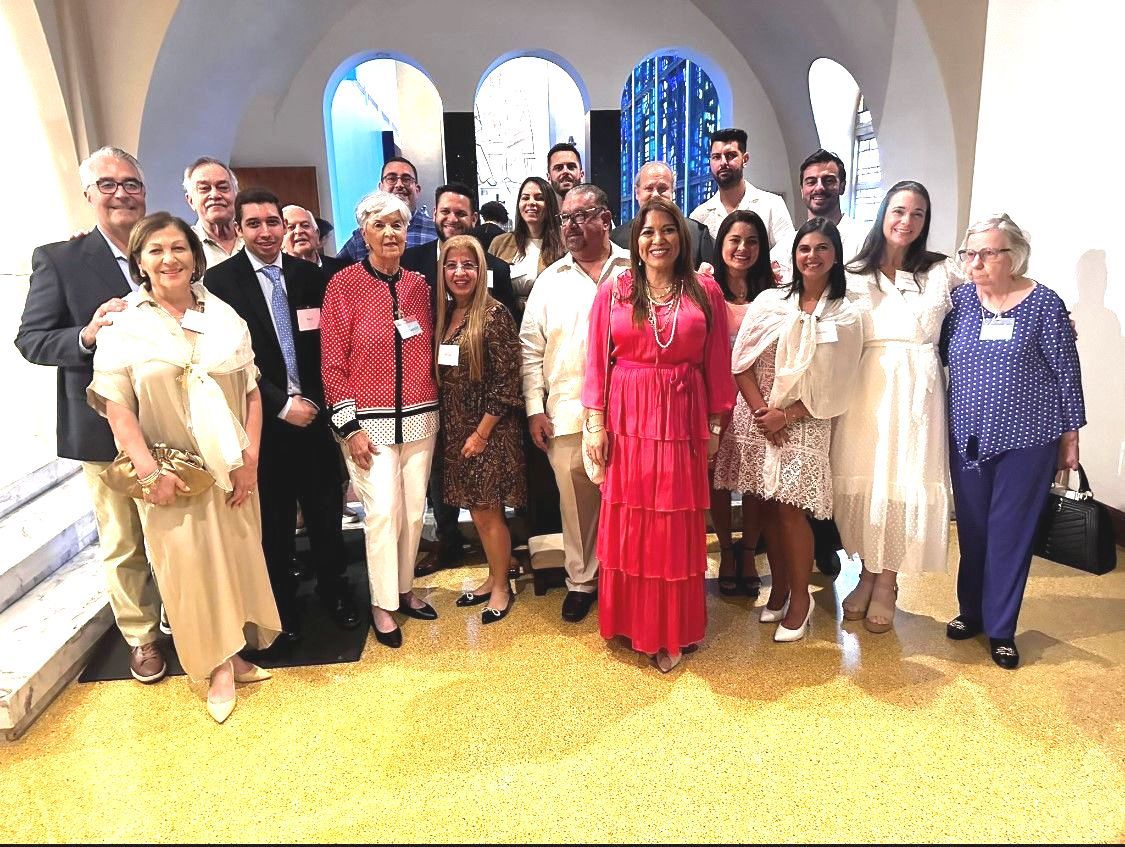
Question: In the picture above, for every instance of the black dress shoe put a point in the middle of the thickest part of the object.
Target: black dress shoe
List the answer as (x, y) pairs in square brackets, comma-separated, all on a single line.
[(828, 563), (342, 608), (493, 615), (471, 599), (1004, 653), (428, 565), (960, 629), (425, 612), (577, 605)]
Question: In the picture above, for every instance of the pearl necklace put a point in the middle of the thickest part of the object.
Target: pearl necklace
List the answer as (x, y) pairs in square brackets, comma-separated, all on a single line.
[(675, 303)]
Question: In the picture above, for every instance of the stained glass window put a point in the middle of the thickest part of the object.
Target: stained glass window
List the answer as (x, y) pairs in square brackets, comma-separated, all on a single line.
[(669, 108)]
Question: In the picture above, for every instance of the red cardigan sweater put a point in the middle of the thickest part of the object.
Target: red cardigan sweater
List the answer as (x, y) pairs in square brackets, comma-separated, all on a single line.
[(375, 379)]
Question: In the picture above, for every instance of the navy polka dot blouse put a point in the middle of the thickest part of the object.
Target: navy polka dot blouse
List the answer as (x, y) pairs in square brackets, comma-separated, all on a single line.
[(1022, 392)]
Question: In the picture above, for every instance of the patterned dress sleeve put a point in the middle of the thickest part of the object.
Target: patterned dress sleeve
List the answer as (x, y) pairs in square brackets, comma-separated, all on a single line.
[(1056, 344), (501, 364), (335, 351)]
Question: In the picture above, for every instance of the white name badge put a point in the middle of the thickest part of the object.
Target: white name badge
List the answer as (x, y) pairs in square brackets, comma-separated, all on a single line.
[(826, 333), (308, 319), (490, 279), (997, 329), (408, 328), (194, 320), (449, 354)]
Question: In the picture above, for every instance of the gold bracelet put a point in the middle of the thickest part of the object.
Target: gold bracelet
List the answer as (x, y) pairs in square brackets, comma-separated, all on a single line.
[(149, 478), (785, 412), (481, 437)]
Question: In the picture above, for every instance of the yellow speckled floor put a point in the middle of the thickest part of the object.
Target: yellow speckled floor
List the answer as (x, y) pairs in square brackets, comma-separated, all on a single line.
[(537, 730)]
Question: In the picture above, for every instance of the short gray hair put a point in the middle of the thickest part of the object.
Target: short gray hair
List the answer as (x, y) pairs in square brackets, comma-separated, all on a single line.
[(297, 208), (379, 204), (86, 169), (665, 165), (1018, 242), (208, 160)]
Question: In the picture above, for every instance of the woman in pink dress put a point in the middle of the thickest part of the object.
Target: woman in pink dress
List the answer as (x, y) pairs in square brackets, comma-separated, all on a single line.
[(661, 330)]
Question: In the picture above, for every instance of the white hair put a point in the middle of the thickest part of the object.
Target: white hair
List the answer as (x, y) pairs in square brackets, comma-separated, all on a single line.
[(208, 160), (86, 169), (665, 165), (1018, 242), (379, 204), (297, 208)]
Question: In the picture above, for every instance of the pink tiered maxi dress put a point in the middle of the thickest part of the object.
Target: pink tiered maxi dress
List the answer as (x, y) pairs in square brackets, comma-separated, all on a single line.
[(652, 533)]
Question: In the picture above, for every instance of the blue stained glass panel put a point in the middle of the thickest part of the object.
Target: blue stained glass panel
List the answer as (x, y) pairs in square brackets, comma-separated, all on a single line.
[(669, 108)]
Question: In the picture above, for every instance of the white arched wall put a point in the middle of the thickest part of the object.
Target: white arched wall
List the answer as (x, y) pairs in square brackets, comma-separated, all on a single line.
[(273, 116)]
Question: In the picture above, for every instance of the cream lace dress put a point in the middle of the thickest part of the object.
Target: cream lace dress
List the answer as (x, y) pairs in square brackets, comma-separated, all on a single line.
[(890, 449)]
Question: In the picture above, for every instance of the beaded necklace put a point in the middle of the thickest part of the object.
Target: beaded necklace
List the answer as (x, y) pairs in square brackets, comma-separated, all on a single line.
[(674, 302)]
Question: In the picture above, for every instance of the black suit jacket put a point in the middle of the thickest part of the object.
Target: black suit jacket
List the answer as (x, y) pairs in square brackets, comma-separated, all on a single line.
[(235, 282), (423, 259), (485, 233), (69, 280), (331, 264)]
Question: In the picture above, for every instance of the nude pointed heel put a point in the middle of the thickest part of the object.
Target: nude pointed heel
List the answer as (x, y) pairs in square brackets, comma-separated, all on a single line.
[(255, 674)]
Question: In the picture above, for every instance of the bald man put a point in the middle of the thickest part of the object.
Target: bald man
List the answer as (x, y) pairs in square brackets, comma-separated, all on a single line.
[(656, 178)]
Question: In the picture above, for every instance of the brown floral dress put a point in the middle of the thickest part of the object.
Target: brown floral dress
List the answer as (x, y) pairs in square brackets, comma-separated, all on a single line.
[(496, 476)]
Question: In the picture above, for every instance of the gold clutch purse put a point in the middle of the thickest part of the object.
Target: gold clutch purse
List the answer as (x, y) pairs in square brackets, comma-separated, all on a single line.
[(121, 476)]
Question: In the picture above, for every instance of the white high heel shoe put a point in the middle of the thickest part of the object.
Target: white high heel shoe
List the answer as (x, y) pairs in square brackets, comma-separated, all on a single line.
[(784, 634), (768, 615)]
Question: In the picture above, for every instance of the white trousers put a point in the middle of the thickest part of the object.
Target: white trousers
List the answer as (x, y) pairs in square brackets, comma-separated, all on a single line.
[(393, 494), (580, 502)]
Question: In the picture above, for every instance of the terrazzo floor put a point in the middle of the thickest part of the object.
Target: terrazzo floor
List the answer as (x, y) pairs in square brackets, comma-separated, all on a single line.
[(534, 729)]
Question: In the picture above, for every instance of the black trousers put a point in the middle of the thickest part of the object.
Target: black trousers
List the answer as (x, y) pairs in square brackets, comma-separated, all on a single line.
[(301, 465)]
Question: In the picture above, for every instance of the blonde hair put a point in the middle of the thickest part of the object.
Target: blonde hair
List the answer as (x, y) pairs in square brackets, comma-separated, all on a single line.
[(1017, 239), (472, 339)]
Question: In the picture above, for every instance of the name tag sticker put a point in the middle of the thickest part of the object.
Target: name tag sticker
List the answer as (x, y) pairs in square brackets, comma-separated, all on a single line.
[(826, 333), (194, 321), (449, 354), (308, 319), (407, 328), (998, 329), (490, 279)]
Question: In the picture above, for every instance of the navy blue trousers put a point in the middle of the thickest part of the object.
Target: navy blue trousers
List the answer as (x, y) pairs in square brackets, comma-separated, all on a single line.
[(998, 508)]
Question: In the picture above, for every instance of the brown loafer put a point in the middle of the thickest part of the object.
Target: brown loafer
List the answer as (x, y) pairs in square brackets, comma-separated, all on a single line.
[(146, 663)]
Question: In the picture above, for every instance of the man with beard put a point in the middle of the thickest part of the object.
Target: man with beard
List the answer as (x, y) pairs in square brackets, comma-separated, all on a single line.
[(553, 339), (400, 178), (454, 214), (823, 181), (728, 160), (302, 239), (564, 168), (279, 297), (653, 179), (76, 286), (209, 188)]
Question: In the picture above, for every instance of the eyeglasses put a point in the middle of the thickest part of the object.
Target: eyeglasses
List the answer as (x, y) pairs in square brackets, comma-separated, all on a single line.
[(406, 180), (988, 255), (579, 218), (109, 186), (467, 267)]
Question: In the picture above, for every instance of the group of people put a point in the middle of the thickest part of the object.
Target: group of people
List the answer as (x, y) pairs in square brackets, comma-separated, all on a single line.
[(634, 376)]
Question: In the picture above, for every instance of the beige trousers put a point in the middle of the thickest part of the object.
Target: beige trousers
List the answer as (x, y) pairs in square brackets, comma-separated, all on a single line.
[(579, 501), (393, 494), (132, 590)]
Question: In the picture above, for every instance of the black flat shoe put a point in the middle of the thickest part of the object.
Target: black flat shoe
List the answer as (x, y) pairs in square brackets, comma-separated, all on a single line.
[(731, 586), (425, 612), (471, 599), (1004, 653), (960, 629), (392, 639), (493, 615)]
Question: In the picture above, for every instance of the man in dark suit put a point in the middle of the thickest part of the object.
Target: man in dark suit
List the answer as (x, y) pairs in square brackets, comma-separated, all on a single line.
[(493, 219), (76, 286), (656, 178), (454, 214), (302, 239), (280, 297)]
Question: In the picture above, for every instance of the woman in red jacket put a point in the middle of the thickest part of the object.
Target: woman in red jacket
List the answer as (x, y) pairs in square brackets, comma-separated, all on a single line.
[(377, 359)]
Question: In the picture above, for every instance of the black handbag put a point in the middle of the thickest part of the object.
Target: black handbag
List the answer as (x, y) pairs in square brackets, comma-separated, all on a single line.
[(1075, 529)]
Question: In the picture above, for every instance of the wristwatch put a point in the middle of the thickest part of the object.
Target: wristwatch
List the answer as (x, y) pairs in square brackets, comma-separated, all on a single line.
[(715, 429)]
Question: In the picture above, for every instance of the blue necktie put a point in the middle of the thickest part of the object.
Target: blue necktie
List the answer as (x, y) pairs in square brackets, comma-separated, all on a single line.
[(279, 305)]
